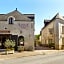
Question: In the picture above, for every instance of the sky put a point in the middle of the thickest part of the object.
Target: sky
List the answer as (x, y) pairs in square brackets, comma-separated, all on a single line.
[(43, 9)]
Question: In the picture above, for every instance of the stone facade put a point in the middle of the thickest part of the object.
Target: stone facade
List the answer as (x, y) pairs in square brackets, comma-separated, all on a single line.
[(18, 26), (52, 32)]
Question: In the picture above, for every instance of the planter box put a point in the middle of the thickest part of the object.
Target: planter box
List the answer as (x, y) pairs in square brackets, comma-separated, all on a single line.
[(20, 48), (10, 52)]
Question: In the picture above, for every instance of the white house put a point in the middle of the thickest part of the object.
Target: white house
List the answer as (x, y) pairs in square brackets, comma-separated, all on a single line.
[(53, 31)]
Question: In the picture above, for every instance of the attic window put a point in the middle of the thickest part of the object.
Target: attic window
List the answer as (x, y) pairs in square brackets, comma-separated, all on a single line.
[(11, 20)]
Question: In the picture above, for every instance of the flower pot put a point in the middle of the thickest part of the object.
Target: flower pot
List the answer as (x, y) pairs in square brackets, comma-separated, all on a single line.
[(20, 48), (9, 51)]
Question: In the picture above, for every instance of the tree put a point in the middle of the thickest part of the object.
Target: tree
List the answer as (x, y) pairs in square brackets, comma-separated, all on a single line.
[(37, 36), (37, 42)]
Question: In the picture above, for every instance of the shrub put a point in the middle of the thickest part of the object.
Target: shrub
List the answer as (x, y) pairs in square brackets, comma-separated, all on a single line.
[(9, 44), (51, 45), (38, 43), (20, 48)]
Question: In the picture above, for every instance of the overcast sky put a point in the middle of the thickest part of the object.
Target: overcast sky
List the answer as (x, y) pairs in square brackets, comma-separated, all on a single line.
[(43, 9)]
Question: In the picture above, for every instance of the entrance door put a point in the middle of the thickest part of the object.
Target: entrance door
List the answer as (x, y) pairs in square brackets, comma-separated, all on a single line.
[(21, 40)]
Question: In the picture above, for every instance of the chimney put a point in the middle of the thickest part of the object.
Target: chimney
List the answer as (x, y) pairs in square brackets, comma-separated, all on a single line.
[(16, 9)]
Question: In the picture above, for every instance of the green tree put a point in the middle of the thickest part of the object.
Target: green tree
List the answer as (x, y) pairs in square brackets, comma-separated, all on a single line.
[(37, 36), (37, 42)]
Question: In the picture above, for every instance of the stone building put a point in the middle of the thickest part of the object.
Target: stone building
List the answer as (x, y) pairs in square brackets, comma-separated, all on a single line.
[(53, 31), (17, 26)]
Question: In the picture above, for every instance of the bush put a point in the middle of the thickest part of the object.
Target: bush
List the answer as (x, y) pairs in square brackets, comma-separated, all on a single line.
[(20, 48), (38, 43), (51, 45), (9, 44)]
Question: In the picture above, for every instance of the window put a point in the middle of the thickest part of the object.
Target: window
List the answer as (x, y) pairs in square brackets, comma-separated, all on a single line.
[(62, 29), (21, 41), (11, 20), (51, 30), (50, 41), (62, 40)]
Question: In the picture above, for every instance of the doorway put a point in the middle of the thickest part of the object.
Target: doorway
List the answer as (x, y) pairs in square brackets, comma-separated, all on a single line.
[(21, 40), (3, 38)]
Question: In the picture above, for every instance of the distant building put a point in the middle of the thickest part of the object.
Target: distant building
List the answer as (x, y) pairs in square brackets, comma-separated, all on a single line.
[(53, 31), (18, 27)]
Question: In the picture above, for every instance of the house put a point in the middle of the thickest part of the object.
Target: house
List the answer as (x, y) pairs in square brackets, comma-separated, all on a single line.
[(19, 27), (53, 31)]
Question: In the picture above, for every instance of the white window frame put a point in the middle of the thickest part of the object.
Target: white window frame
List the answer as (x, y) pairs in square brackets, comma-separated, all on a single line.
[(9, 19)]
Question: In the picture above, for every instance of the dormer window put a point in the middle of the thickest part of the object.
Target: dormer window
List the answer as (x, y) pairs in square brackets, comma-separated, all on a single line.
[(11, 20)]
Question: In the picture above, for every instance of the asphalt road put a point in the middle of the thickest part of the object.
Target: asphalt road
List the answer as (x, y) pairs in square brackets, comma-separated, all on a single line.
[(57, 58)]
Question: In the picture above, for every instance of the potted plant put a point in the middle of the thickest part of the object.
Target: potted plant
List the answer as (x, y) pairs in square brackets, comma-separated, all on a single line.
[(21, 45), (20, 48), (9, 44)]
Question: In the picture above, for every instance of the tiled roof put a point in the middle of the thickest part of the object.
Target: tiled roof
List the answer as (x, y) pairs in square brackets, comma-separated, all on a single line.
[(2, 17), (18, 16), (46, 22), (55, 17)]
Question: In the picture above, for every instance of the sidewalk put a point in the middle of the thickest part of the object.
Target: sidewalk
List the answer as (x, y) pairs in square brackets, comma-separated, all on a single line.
[(29, 53)]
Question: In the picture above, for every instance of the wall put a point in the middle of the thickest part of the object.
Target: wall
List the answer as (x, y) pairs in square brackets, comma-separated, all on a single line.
[(58, 33), (45, 33), (21, 28)]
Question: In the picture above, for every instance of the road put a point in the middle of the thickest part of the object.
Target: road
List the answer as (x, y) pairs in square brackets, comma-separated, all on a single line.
[(57, 58)]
